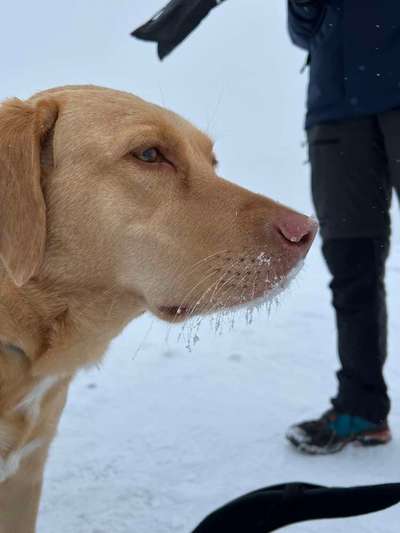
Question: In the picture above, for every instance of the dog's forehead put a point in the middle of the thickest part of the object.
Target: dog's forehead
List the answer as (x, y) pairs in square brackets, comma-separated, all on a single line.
[(107, 104), (107, 111)]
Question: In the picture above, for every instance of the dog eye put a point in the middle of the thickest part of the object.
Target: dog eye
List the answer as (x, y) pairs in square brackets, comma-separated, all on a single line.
[(150, 155), (13, 349)]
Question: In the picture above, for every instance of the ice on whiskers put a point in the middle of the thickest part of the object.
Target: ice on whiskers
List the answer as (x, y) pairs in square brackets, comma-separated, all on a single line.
[(263, 259), (229, 317)]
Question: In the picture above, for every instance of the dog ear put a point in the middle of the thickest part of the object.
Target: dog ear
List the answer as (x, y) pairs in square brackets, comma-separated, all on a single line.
[(23, 128)]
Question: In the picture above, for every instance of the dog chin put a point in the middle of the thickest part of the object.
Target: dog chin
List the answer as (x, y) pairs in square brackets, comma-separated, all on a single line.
[(173, 313), (273, 292), (269, 294), (179, 313)]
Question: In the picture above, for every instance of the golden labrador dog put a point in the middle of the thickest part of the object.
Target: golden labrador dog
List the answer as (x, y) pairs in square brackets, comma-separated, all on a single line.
[(110, 207)]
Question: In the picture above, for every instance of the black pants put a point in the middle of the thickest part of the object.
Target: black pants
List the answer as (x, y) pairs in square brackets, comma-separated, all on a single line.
[(355, 167)]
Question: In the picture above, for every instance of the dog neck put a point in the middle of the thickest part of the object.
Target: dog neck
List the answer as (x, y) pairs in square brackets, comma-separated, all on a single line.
[(60, 328)]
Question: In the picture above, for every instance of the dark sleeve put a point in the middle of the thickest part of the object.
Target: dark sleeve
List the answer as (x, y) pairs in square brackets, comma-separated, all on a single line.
[(304, 19)]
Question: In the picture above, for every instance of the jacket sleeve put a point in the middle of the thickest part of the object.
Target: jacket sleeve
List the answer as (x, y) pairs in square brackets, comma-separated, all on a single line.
[(304, 19)]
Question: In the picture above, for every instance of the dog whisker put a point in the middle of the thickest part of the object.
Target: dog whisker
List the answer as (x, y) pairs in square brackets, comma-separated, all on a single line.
[(193, 329), (188, 325), (197, 264)]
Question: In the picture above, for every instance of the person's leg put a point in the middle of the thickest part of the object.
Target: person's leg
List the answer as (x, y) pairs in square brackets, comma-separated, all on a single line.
[(352, 193), (389, 123), (357, 266)]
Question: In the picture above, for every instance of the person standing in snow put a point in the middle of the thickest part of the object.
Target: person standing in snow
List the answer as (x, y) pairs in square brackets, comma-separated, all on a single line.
[(353, 130)]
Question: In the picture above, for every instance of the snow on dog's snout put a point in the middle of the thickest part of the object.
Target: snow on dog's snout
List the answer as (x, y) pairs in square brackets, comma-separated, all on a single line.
[(250, 279)]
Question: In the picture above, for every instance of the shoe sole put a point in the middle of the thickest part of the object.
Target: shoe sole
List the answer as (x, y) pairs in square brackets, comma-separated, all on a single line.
[(361, 440), (310, 449), (374, 439)]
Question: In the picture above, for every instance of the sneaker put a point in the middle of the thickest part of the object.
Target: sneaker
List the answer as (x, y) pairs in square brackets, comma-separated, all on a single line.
[(331, 433)]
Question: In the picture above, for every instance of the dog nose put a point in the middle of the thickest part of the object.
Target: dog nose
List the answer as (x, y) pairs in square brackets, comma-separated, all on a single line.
[(297, 230)]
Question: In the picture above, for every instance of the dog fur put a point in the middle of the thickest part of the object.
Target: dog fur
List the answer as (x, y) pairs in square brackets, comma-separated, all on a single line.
[(92, 236)]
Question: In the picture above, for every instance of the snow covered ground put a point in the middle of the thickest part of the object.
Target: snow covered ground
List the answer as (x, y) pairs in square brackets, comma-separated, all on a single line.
[(158, 436)]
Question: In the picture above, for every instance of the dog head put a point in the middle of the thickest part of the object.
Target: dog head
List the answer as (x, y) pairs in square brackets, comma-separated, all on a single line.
[(101, 189)]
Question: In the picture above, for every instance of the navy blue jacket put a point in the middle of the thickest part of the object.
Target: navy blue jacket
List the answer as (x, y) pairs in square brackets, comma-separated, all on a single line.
[(354, 48)]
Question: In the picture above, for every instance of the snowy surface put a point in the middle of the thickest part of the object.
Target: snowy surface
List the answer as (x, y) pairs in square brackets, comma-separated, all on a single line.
[(158, 436)]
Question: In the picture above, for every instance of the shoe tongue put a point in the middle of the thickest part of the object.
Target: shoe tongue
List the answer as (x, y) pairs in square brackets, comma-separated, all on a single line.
[(346, 425)]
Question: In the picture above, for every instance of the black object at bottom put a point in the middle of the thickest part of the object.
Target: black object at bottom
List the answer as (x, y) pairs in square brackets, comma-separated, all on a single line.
[(274, 507)]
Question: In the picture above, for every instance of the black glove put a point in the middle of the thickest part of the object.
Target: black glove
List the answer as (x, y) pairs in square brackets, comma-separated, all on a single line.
[(278, 506), (170, 26)]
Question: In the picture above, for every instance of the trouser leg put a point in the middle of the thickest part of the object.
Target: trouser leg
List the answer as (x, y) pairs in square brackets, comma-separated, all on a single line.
[(351, 193), (358, 296), (389, 123)]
